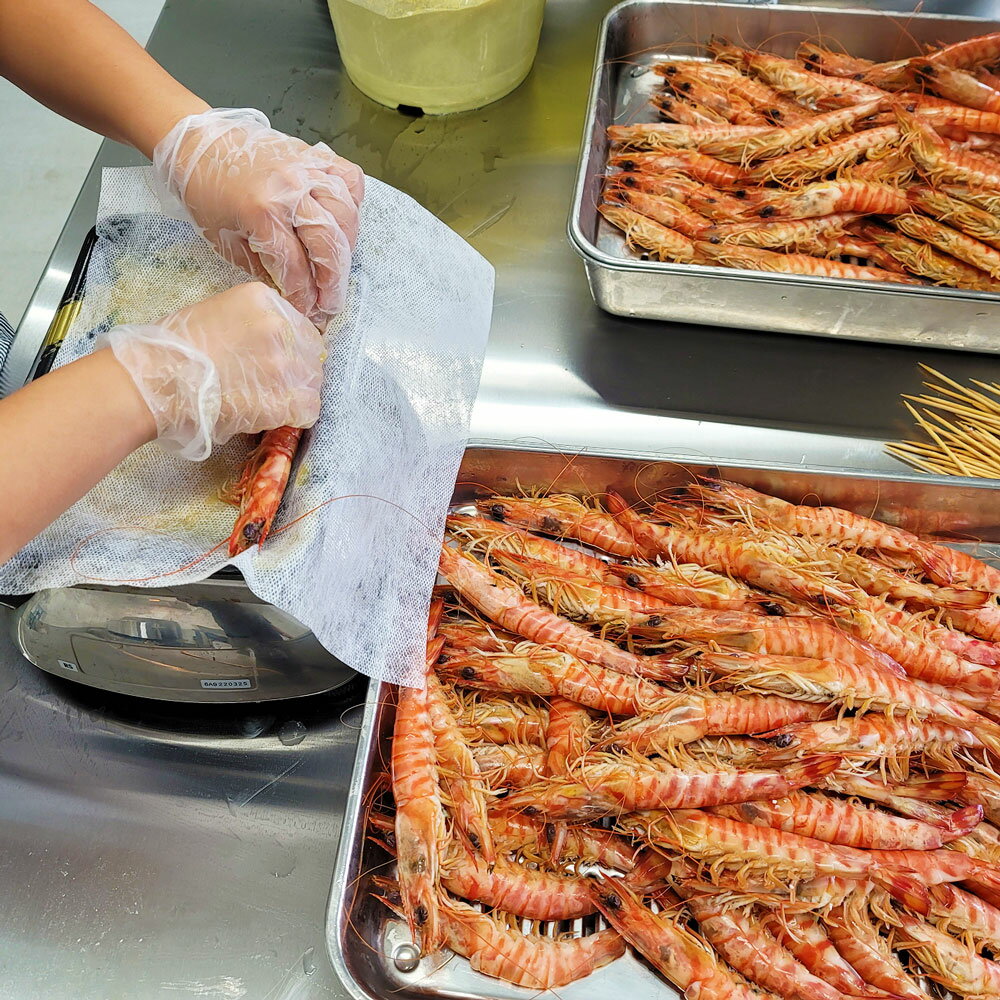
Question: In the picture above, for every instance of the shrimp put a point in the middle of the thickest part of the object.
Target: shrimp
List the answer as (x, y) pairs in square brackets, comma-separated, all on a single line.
[(965, 54), (667, 944), (509, 766), (942, 163), (687, 111), (261, 486), (609, 785), (780, 234), (927, 262), (753, 951), (984, 226), (689, 717), (947, 961), (420, 823), (530, 960), (546, 672), (736, 556), (503, 720), (837, 821), (983, 622), (751, 258), (657, 240), (689, 584), (804, 937), (861, 945), (811, 163), (504, 603), (582, 844), (961, 87), (702, 198), (564, 517), (724, 141), (567, 738), (719, 95), (951, 241), (660, 208), (482, 535), (460, 778), (707, 169), (829, 197), (831, 63)]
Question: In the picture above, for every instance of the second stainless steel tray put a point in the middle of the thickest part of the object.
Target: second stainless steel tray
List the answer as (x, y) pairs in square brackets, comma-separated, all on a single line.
[(638, 33), (361, 936)]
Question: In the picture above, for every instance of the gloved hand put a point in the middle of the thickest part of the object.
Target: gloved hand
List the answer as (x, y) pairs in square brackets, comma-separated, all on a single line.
[(240, 362), (267, 202)]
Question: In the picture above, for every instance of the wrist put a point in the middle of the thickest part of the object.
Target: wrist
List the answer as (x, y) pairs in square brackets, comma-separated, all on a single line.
[(160, 120), (121, 397)]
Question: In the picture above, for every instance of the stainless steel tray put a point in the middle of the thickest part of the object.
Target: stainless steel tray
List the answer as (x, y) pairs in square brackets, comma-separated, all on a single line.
[(638, 33), (361, 936)]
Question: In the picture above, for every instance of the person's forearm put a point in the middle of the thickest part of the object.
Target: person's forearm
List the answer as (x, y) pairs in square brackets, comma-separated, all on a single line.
[(70, 56), (60, 436)]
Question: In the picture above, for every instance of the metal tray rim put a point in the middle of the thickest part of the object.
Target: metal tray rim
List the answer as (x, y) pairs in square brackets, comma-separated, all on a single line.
[(593, 255)]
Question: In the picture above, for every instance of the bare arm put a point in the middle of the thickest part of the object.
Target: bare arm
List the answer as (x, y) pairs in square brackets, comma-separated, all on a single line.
[(61, 435), (73, 58)]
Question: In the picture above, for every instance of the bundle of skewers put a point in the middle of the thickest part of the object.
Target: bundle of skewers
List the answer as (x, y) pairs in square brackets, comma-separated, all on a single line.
[(755, 743), (822, 165)]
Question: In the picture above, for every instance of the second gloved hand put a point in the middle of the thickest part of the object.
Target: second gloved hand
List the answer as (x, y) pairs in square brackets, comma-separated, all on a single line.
[(268, 202), (240, 362)]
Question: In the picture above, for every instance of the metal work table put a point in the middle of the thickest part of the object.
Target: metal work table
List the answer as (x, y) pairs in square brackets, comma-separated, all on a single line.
[(150, 852)]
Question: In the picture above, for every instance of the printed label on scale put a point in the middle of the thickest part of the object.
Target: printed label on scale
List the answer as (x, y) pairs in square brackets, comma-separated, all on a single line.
[(68, 665), (235, 682)]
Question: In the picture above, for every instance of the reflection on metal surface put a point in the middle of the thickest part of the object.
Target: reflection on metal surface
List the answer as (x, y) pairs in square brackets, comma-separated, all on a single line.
[(207, 642)]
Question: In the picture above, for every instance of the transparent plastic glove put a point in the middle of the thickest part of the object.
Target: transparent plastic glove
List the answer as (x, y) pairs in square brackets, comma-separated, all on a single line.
[(268, 202), (240, 362)]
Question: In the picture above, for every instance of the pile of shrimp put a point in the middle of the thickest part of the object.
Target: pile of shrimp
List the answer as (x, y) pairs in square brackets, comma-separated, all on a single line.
[(756, 743), (822, 165)]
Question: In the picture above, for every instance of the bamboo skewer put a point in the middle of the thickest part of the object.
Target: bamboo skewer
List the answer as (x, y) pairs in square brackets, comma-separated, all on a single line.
[(962, 424)]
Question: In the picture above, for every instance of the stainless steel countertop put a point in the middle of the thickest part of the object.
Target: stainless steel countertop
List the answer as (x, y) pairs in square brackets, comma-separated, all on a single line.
[(155, 854)]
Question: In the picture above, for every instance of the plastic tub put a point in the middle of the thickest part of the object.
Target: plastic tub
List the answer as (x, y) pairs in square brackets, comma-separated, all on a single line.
[(439, 56)]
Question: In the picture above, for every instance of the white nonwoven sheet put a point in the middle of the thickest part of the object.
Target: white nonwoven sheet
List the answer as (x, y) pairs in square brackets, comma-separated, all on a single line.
[(374, 476)]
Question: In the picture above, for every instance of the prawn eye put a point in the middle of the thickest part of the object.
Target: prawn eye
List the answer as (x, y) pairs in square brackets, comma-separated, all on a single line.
[(612, 902), (781, 741), (927, 69), (420, 914), (474, 840), (812, 58), (671, 70), (551, 525), (767, 211), (685, 86), (531, 810), (497, 511), (550, 832), (773, 609), (468, 673), (628, 164), (740, 193), (633, 580), (628, 182), (443, 658), (654, 620), (859, 76), (252, 530), (714, 239)]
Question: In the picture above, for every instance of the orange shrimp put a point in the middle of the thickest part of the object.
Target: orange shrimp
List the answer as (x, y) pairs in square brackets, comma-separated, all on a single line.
[(563, 516), (888, 167), (686, 110), (753, 951), (777, 235), (261, 486), (803, 935), (474, 636), (869, 953), (503, 720), (946, 960), (983, 622), (983, 225), (503, 602), (966, 54), (530, 960), (952, 566), (668, 945), (831, 63), (811, 163), (756, 850), (663, 209), (724, 141), (567, 738), (790, 77), (959, 86), (736, 556), (515, 888), (509, 766), (980, 197), (547, 673), (838, 821), (689, 584), (753, 259), (608, 786), (582, 844), (708, 201), (657, 240), (420, 822), (951, 241), (921, 259), (869, 737), (460, 778), (482, 535), (829, 197), (689, 717), (942, 163), (702, 167)]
